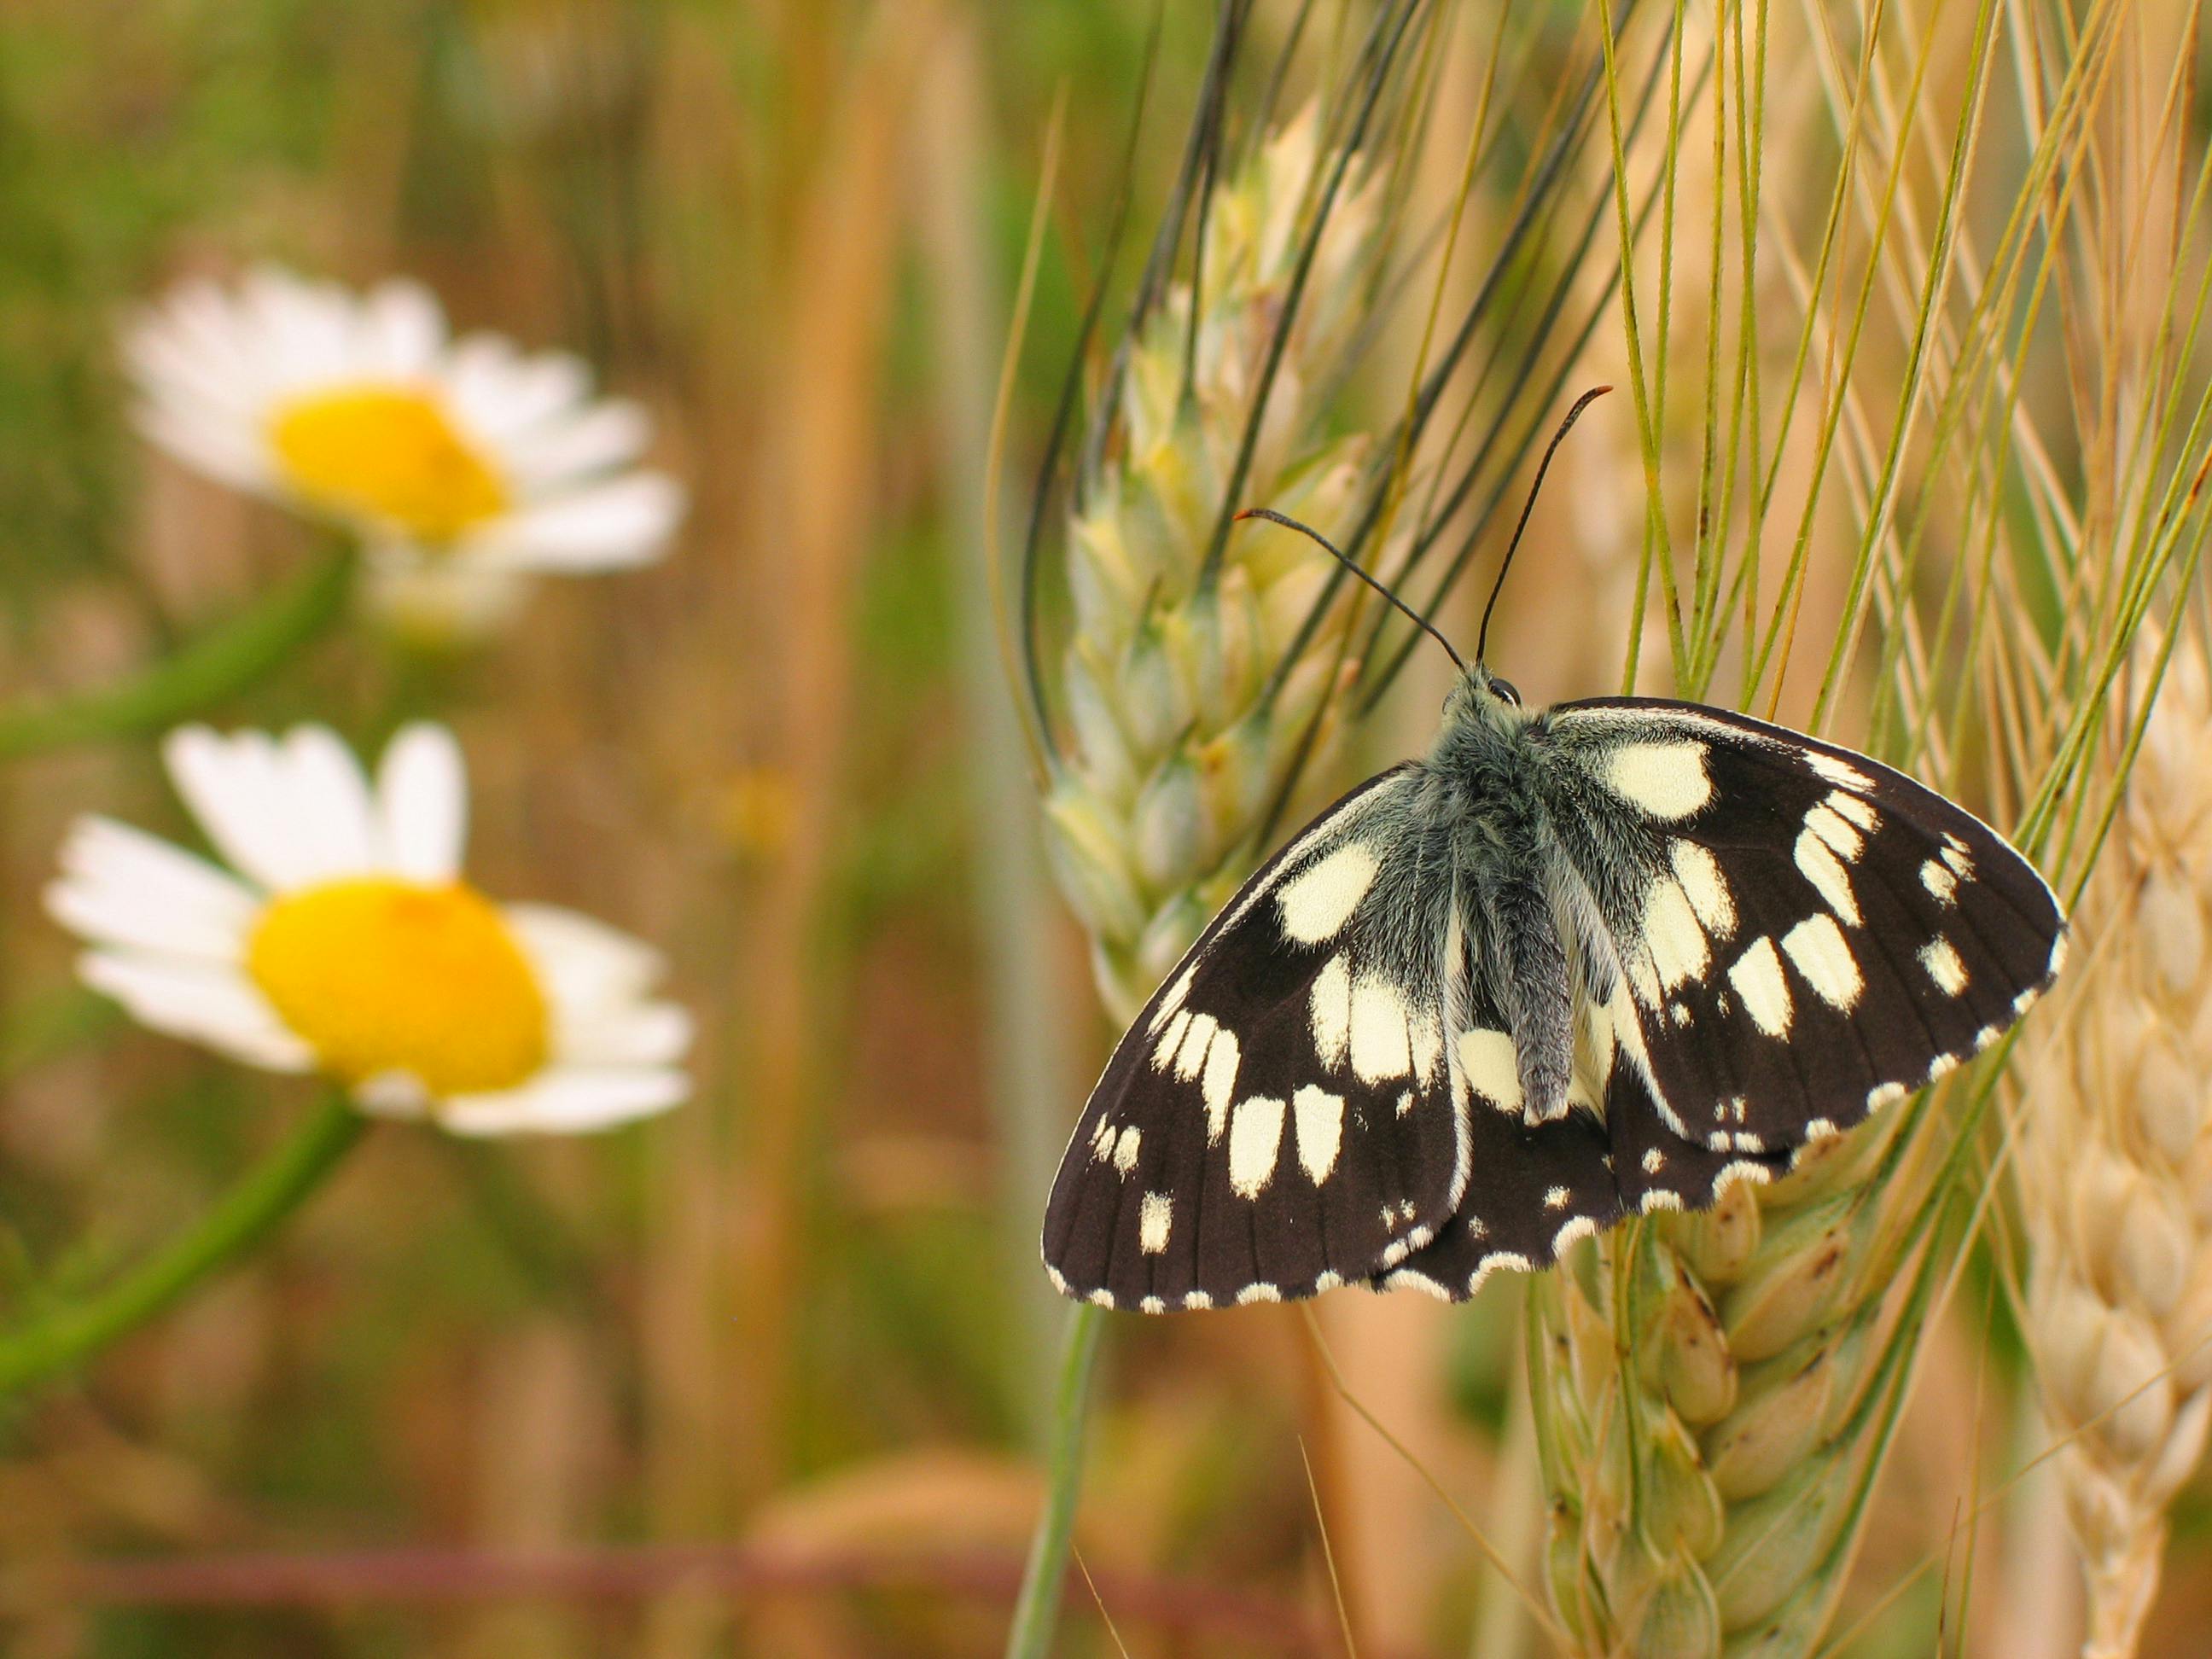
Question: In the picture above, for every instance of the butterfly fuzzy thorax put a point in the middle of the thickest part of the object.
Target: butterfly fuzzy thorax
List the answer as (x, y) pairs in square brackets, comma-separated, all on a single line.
[(1572, 964)]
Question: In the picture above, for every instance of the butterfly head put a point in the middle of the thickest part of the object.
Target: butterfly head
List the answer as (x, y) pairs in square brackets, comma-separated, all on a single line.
[(1486, 698)]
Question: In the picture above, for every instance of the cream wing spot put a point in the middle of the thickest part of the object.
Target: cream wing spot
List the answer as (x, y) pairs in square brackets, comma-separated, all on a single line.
[(1574, 1233), (1756, 977), (1887, 1095), (1666, 780), (1751, 1175), (1556, 1199), (1219, 1082), (1818, 863), (1172, 1003), (1940, 958), (1381, 1030), (1817, 948), (1315, 903), (1262, 1292), (1705, 887), (1427, 1039), (1191, 1056), (1842, 838), (1330, 1003), (1679, 951), (1860, 813), (1644, 980), (1171, 1040), (1510, 1260), (1154, 1221), (1318, 1119), (1127, 1147), (1492, 1067), (1255, 1140), (1841, 773), (1939, 879)]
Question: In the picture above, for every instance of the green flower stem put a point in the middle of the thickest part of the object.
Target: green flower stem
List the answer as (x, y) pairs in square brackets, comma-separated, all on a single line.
[(63, 1337), (223, 659), (1036, 1613)]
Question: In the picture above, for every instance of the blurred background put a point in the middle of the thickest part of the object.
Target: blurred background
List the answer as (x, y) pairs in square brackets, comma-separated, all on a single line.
[(769, 1375)]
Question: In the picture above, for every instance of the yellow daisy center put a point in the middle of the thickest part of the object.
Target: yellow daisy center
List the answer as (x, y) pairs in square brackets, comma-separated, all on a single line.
[(389, 453), (385, 975)]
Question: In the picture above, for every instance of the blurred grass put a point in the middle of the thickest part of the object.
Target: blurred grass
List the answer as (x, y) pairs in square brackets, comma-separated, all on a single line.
[(741, 1326)]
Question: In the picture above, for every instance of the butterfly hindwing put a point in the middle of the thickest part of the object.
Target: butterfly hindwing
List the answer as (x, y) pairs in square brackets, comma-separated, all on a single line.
[(1281, 1116), (1814, 936), (1532, 1189)]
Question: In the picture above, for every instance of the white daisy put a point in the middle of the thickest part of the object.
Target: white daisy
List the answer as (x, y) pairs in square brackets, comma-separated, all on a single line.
[(463, 462), (347, 942)]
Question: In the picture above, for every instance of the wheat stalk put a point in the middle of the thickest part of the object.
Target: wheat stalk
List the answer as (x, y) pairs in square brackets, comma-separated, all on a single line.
[(2115, 1147)]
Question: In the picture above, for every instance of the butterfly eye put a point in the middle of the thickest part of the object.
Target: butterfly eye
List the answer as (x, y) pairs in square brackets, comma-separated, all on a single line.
[(1505, 689)]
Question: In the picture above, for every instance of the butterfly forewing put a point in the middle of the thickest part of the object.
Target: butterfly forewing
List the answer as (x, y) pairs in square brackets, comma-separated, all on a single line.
[(1281, 1116), (1813, 936)]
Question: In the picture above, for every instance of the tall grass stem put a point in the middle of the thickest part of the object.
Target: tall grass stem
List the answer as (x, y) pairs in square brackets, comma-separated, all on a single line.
[(1036, 1612), (65, 1337)]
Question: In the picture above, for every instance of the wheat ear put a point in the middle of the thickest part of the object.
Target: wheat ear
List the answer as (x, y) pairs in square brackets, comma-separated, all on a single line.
[(1194, 687), (2115, 1147)]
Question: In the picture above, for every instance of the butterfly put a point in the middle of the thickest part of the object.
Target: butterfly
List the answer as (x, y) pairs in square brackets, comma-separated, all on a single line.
[(1574, 964)]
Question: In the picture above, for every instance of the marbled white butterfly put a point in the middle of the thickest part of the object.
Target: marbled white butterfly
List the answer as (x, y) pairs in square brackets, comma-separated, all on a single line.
[(1572, 965)]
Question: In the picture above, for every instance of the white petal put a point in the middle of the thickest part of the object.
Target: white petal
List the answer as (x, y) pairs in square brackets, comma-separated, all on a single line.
[(103, 853), (228, 452), (501, 394), (393, 1094), (116, 913), (306, 331), (423, 804), (586, 965), (643, 1033), (181, 373), (220, 1007), (401, 329), (624, 521), (597, 439), (333, 820), (566, 1102), (232, 787)]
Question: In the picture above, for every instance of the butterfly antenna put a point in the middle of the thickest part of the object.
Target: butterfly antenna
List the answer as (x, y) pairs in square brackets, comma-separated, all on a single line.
[(1417, 619), (1528, 507)]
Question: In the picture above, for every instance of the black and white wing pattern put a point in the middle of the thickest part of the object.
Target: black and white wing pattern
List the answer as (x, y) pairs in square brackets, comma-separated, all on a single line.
[(1805, 935), (1281, 1117), (1571, 966)]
